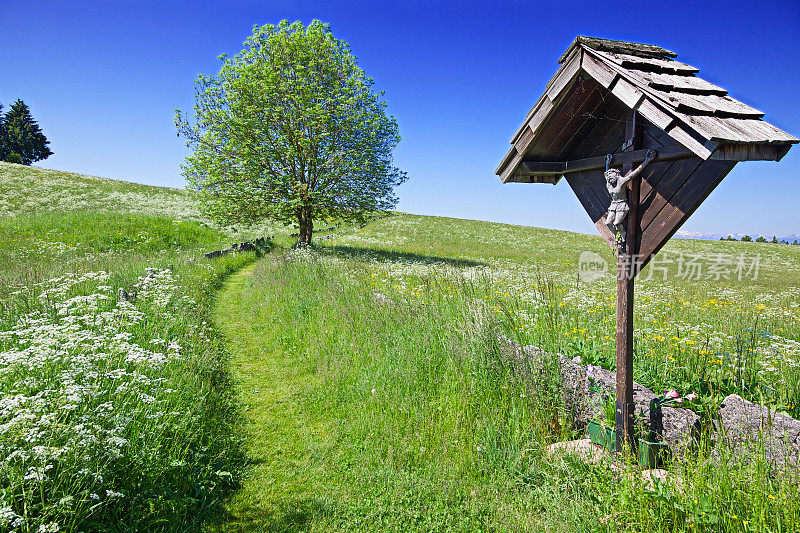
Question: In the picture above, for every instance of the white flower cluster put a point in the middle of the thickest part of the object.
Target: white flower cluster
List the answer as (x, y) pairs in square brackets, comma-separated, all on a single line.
[(74, 387), (157, 287)]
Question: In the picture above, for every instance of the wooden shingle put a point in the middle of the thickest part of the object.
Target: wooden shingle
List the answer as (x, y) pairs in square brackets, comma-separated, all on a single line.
[(620, 47), (651, 64), (697, 114)]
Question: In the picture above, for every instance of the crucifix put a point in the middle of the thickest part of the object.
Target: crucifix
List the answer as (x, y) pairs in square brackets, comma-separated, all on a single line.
[(675, 136), (616, 185), (627, 251)]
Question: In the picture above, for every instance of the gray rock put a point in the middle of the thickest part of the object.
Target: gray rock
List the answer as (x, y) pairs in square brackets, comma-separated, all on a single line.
[(529, 365), (678, 426), (750, 429), (585, 393)]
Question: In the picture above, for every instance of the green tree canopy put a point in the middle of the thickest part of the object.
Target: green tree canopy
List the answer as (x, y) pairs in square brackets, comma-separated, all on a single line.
[(23, 140), (290, 129)]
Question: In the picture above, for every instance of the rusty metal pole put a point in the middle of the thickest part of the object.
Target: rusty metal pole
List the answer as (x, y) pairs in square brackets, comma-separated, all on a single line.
[(626, 272)]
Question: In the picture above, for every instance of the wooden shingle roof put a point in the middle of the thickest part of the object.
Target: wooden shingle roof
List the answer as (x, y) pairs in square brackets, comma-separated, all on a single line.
[(699, 115)]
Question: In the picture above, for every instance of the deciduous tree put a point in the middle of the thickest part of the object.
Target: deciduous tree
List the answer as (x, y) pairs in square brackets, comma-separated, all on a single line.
[(291, 129)]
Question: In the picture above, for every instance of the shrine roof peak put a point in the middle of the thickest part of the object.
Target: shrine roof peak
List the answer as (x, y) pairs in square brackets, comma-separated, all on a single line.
[(598, 80), (622, 47)]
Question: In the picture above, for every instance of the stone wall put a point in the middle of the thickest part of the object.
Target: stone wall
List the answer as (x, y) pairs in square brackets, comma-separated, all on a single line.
[(749, 430), (262, 243)]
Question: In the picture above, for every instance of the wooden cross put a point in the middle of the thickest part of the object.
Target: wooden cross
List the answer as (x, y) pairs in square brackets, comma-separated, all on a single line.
[(627, 268), (628, 262), (626, 98)]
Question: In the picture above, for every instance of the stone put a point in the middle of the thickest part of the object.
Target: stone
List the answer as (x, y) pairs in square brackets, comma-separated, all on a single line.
[(750, 429), (246, 246), (585, 392), (583, 449)]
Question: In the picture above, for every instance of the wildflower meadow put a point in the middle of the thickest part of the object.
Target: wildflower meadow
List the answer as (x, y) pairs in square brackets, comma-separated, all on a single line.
[(114, 410), (357, 384)]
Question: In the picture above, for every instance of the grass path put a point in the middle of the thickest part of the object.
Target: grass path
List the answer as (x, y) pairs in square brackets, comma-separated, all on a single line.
[(338, 410), (278, 493)]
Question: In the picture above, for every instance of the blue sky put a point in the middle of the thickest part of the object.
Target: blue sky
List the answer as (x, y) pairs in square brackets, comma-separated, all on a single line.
[(104, 78)]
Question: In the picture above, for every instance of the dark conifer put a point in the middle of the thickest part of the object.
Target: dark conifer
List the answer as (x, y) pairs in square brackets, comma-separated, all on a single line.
[(24, 141)]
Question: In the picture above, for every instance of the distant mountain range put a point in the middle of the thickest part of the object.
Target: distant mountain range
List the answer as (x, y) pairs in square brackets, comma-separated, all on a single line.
[(682, 234)]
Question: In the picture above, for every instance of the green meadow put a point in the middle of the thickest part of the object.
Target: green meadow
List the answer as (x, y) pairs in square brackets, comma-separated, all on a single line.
[(356, 385)]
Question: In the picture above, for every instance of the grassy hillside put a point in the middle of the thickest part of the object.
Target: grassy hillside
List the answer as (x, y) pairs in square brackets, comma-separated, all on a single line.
[(114, 411), (358, 385), (26, 189), (703, 307), (377, 399), (53, 222)]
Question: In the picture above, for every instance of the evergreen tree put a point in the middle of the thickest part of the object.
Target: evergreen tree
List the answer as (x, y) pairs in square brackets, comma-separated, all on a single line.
[(3, 140), (24, 140), (747, 238)]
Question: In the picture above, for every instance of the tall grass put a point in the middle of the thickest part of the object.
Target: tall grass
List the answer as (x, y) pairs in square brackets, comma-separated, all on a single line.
[(433, 429), (115, 414), (704, 333)]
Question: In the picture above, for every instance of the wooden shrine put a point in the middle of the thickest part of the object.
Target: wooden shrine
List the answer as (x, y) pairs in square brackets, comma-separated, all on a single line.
[(624, 99)]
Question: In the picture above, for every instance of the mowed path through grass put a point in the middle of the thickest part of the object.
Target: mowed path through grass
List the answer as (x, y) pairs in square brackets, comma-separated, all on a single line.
[(341, 404), (372, 405), (278, 493)]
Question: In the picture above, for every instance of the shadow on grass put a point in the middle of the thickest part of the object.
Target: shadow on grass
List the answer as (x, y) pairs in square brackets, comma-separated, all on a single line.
[(291, 517), (386, 256)]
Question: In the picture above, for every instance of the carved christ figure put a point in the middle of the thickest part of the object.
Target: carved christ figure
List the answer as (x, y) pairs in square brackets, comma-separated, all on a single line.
[(616, 185)]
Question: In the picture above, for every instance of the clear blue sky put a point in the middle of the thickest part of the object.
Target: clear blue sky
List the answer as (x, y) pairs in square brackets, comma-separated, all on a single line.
[(103, 79)]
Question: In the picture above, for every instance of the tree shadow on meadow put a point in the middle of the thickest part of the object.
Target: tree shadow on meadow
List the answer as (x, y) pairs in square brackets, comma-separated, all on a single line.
[(288, 517), (387, 256)]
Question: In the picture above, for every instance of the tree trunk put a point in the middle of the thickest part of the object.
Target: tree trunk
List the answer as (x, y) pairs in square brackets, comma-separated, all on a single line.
[(306, 222)]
